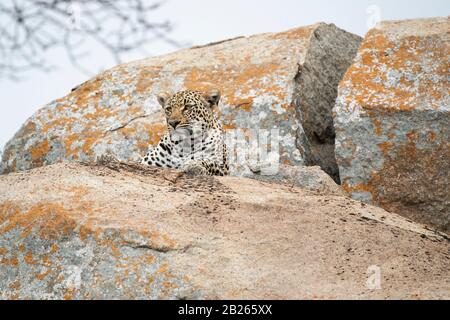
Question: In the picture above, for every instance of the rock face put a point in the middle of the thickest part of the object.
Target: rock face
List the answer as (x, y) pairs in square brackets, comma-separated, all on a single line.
[(88, 232), (392, 120), (310, 178), (285, 81)]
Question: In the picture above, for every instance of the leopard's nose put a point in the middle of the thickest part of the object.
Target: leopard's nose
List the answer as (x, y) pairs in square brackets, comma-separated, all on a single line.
[(174, 123)]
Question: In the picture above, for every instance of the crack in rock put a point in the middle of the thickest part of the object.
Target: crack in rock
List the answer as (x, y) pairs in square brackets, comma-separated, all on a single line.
[(160, 249), (127, 123)]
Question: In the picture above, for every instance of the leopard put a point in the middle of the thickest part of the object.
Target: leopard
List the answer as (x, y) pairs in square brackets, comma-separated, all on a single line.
[(194, 142)]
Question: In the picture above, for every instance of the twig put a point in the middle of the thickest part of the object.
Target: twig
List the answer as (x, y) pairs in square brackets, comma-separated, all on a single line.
[(29, 28)]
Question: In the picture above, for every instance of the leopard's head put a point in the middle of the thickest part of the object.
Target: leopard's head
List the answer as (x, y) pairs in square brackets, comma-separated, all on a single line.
[(186, 111)]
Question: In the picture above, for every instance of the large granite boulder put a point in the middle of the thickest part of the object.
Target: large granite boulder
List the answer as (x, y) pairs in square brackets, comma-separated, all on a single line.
[(392, 120), (284, 81), (69, 231)]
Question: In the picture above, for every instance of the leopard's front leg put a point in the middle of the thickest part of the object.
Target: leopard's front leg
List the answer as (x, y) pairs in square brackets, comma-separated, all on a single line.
[(160, 155), (202, 167)]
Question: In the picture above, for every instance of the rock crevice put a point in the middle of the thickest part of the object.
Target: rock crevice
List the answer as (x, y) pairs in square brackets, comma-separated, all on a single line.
[(330, 54)]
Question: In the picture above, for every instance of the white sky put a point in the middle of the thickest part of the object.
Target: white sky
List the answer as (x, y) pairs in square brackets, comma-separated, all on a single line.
[(203, 21)]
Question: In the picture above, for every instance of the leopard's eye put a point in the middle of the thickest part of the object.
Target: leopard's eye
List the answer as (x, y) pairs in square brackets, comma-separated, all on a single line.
[(186, 108)]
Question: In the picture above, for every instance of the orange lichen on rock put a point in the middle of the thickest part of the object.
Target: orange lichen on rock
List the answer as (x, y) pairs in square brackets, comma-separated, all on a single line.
[(7, 209), (64, 122), (87, 141), (69, 295), (369, 187), (100, 113), (237, 82), (385, 147), (54, 218), (168, 241), (9, 261), (156, 132), (379, 55), (88, 92), (431, 136), (39, 152), (146, 78), (29, 259), (27, 129), (398, 85), (163, 268), (378, 128), (43, 275), (296, 33), (78, 192), (15, 285), (412, 136)]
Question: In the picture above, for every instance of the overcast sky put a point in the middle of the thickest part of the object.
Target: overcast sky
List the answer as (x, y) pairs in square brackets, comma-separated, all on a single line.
[(203, 21)]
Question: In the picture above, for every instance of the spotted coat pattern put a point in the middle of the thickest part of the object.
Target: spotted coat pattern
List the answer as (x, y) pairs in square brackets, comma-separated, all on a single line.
[(194, 142)]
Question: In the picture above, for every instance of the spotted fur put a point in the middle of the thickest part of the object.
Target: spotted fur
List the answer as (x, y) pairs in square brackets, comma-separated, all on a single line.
[(194, 142)]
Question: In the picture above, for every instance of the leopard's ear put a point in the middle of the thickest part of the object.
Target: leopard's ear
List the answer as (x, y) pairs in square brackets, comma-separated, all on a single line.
[(212, 97), (163, 98)]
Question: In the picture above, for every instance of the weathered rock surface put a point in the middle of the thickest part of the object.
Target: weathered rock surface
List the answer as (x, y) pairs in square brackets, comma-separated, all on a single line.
[(80, 232), (287, 81), (392, 120), (310, 178)]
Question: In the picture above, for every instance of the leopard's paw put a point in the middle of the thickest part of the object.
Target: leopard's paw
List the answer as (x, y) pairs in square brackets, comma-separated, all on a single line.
[(195, 169)]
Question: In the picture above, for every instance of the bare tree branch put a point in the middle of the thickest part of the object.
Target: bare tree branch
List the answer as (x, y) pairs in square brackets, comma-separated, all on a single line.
[(30, 28)]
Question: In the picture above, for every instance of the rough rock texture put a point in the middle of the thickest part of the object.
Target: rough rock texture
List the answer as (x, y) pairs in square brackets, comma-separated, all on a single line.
[(286, 81), (392, 120), (71, 231), (310, 178)]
